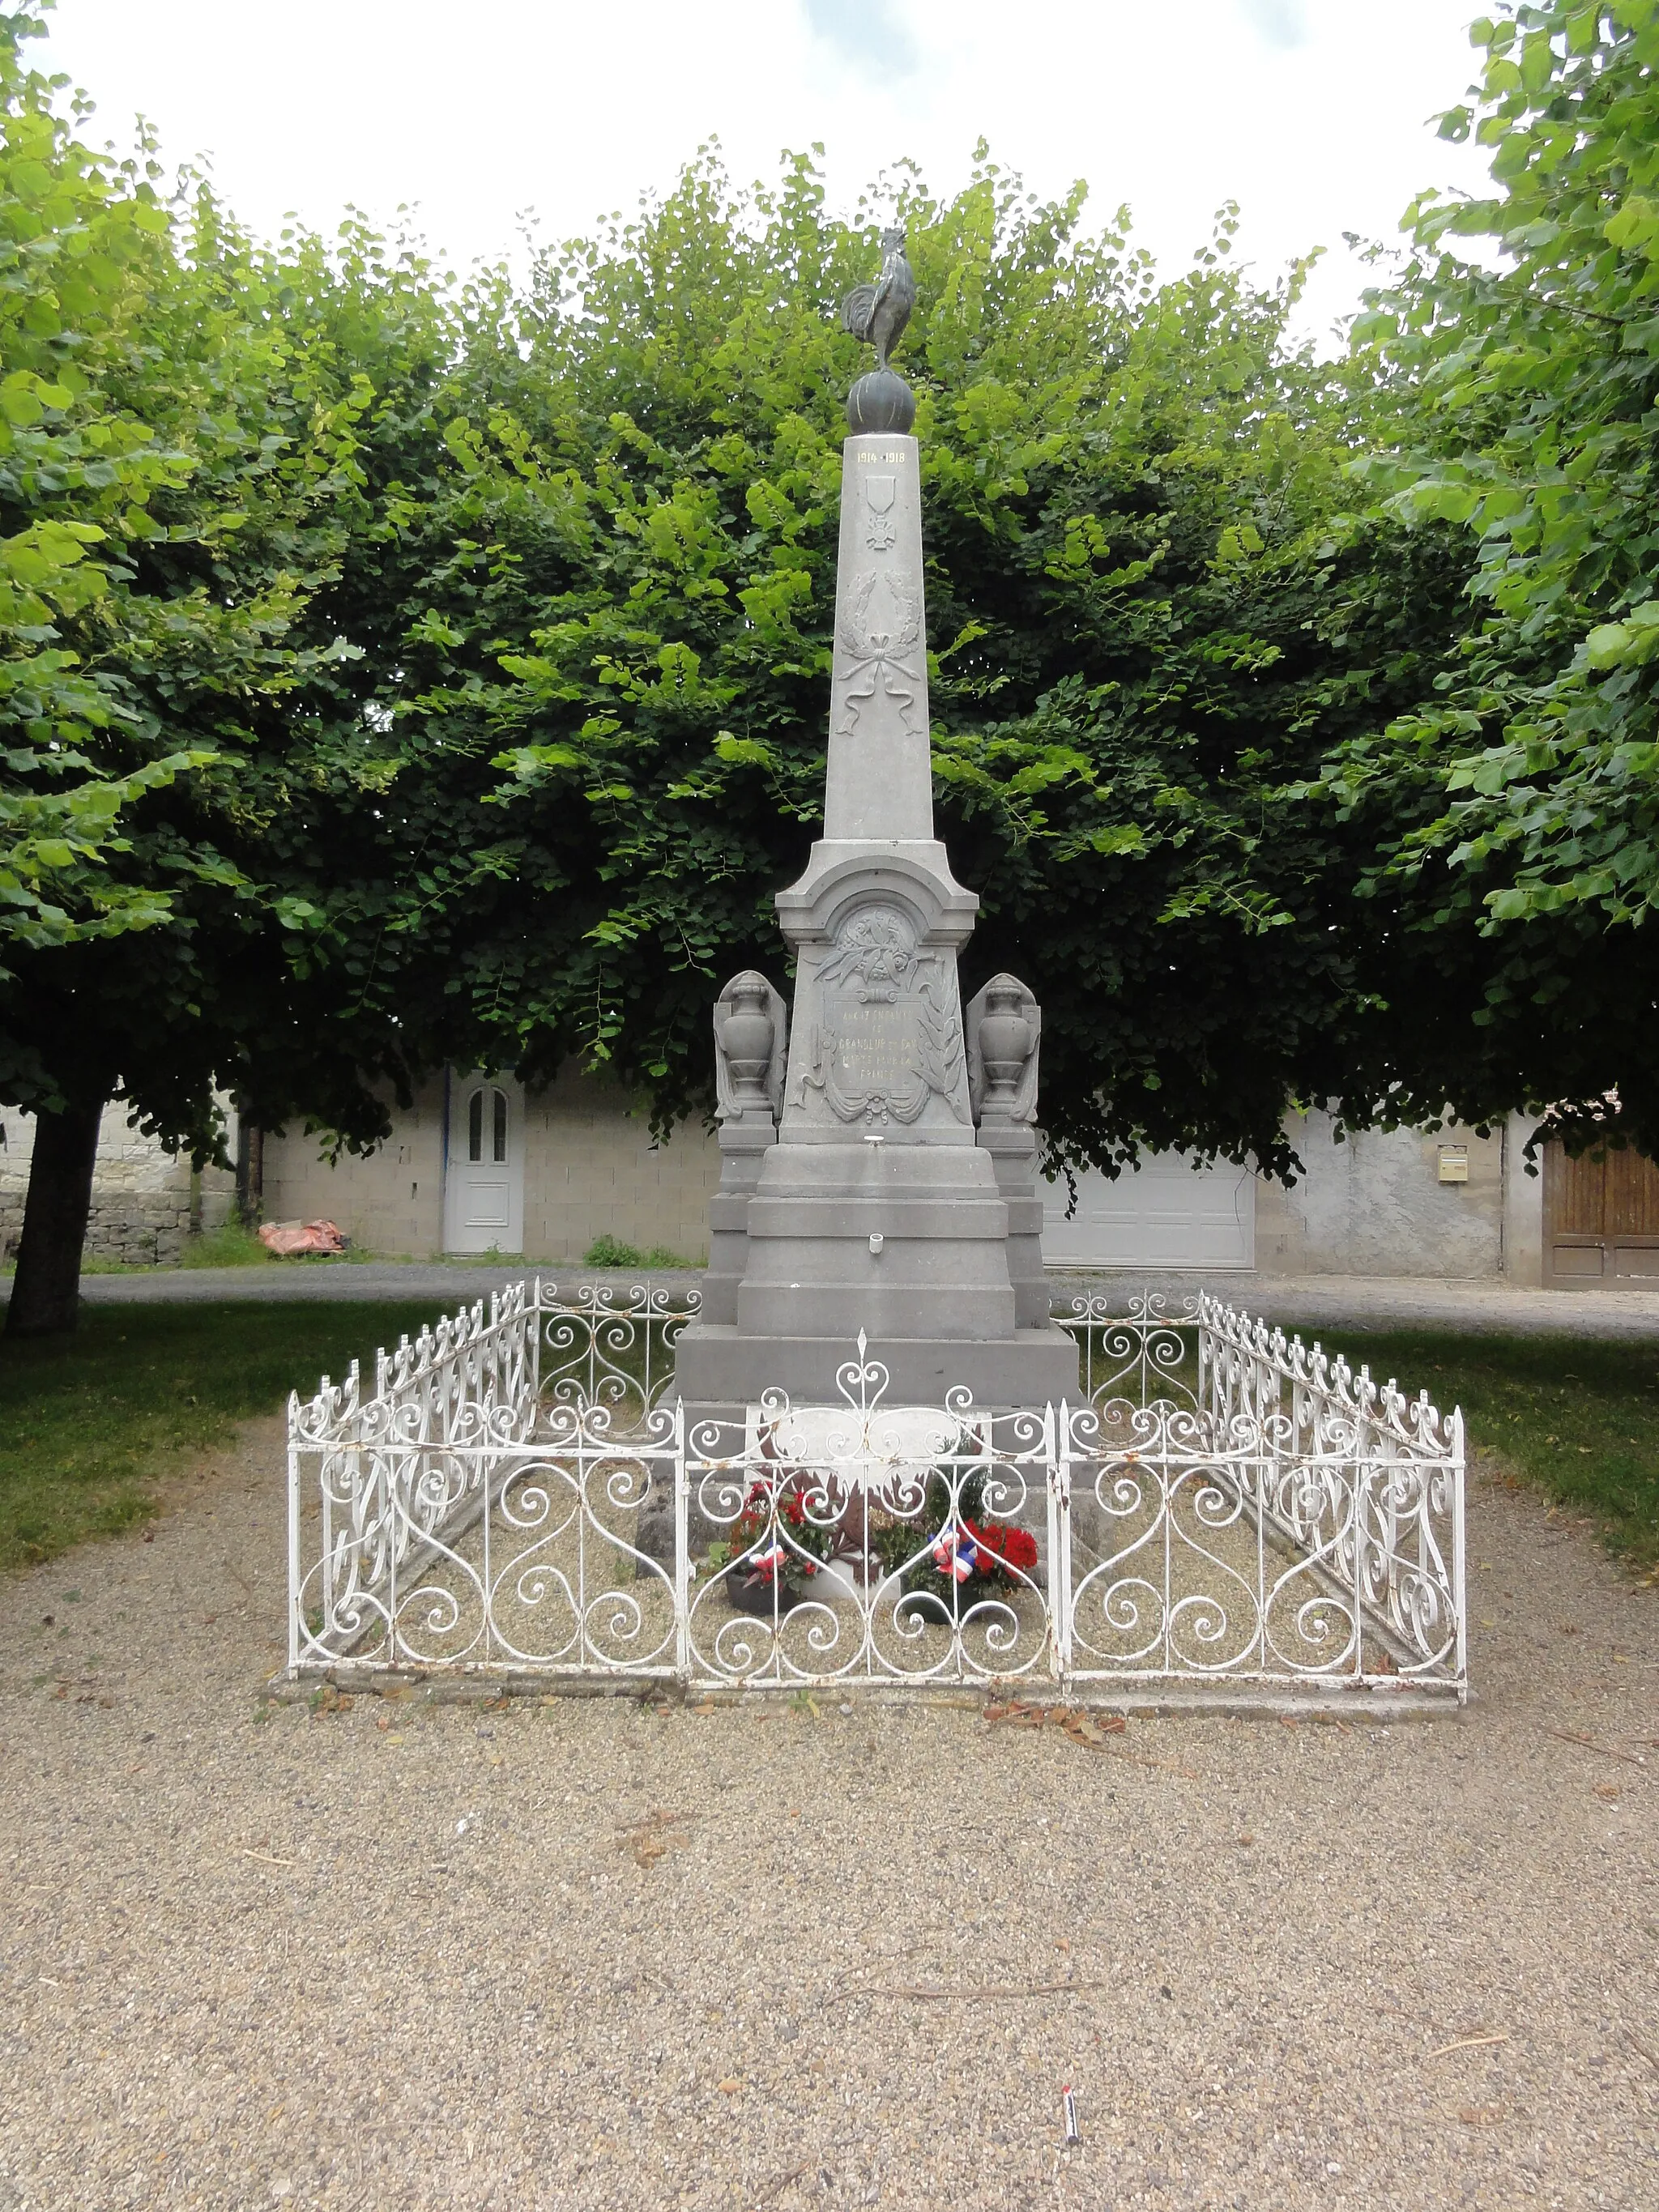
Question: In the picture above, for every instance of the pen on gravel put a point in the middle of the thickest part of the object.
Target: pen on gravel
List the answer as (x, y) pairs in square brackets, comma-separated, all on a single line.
[(1068, 2105)]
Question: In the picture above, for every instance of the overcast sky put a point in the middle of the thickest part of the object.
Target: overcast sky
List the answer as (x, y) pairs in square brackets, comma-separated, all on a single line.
[(1312, 113)]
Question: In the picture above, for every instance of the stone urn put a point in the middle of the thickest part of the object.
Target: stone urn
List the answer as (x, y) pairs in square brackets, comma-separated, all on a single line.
[(1005, 1041), (747, 1039)]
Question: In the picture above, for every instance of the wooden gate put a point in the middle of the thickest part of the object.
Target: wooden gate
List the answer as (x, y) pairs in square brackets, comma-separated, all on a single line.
[(1600, 1220)]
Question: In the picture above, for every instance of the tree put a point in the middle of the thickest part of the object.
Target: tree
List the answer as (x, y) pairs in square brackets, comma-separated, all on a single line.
[(624, 599), (217, 730), (1513, 813), (505, 622), (79, 239)]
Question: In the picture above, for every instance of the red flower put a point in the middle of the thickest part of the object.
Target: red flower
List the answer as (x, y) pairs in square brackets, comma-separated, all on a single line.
[(1003, 1545)]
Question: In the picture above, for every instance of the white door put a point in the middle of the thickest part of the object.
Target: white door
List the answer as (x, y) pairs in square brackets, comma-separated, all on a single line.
[(1164, 1213), (484, 1167)]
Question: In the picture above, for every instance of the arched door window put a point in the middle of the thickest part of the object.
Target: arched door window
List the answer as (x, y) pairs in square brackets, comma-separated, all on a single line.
[(475, 1124)]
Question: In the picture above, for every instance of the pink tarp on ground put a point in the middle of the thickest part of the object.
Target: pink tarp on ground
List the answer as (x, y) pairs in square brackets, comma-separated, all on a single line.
[(291, 1240)]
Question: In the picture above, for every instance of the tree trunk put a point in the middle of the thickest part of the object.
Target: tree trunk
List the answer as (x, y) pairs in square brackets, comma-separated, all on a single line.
[(46, 1292), (250, 1170)]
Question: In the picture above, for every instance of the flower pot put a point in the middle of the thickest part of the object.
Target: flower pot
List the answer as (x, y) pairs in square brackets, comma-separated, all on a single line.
[(745, 1596), (923, 1605)]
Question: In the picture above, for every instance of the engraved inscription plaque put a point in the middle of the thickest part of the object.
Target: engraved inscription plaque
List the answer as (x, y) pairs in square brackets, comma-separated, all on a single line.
[(888, 1033)]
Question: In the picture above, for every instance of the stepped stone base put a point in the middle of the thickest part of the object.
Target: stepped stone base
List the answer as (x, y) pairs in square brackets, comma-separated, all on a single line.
[(718, 1370)]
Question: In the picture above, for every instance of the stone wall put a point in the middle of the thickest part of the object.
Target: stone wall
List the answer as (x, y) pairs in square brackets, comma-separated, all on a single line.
[(141, 1192)]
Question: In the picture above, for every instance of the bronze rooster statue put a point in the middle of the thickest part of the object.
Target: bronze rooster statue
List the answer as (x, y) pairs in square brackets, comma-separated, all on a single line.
[(878, 313)]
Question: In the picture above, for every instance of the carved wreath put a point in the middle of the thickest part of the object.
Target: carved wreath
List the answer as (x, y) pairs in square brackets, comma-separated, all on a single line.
[(938, 1044), (877, 656)]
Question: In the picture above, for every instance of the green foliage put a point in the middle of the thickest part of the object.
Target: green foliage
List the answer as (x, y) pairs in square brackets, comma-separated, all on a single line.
[(1520, 796), (516, 706), (608, 1251), (80, 239), (261, 387), (232, 1244), (621, 597), (90, 1423)]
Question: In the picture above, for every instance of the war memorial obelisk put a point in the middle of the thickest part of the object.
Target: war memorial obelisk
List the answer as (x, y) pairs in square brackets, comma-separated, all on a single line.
[(880, 1174)]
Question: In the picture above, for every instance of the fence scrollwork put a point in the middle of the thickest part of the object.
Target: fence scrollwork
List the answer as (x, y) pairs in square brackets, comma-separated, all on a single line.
[(521, 1493)]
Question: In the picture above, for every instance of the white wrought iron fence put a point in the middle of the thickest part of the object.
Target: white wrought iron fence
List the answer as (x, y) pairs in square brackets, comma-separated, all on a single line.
[(522, 1496)]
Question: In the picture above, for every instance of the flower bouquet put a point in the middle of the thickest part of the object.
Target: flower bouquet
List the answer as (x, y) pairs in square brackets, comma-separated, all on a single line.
[(969, 1551), (775, 1547)]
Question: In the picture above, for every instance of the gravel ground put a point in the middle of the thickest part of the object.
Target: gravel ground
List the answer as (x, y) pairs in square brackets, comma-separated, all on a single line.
[(575, 1953), (1306, 1301)]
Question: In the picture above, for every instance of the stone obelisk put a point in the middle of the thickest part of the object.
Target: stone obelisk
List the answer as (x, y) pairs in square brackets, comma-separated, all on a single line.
[(887, 1183)]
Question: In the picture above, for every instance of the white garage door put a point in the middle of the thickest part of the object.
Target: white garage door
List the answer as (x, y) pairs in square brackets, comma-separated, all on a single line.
[(1164, 1213)]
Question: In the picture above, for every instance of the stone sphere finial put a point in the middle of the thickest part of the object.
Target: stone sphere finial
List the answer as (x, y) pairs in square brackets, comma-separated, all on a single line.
[(881, 401)]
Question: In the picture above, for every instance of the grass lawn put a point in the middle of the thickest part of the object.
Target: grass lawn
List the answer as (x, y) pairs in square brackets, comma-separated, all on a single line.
[(88, 1422), (1571, 1416), (230, 1245)]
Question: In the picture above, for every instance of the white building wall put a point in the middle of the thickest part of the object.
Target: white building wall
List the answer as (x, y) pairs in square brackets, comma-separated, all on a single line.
[(1378, 1204), (1375, 1205)]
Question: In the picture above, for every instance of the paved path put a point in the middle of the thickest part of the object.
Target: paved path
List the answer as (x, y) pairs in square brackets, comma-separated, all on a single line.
[(574, 1955), (1384, 1302), (1308, 1301)]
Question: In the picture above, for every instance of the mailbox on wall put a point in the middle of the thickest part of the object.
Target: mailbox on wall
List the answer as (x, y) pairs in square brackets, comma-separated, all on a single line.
[(1453, 1163)]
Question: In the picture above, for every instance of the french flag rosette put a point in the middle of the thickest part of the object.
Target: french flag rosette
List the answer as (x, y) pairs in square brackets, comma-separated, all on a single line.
[(955, 1553)]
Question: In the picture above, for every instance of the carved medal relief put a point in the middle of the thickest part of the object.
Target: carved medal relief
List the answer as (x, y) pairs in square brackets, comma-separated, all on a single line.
[(880, 530), (886, 1032)]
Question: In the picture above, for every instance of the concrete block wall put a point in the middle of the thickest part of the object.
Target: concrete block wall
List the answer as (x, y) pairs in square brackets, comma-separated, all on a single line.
[(593, 1170), (141, 1192), (590, 1169), (390, 1201)]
